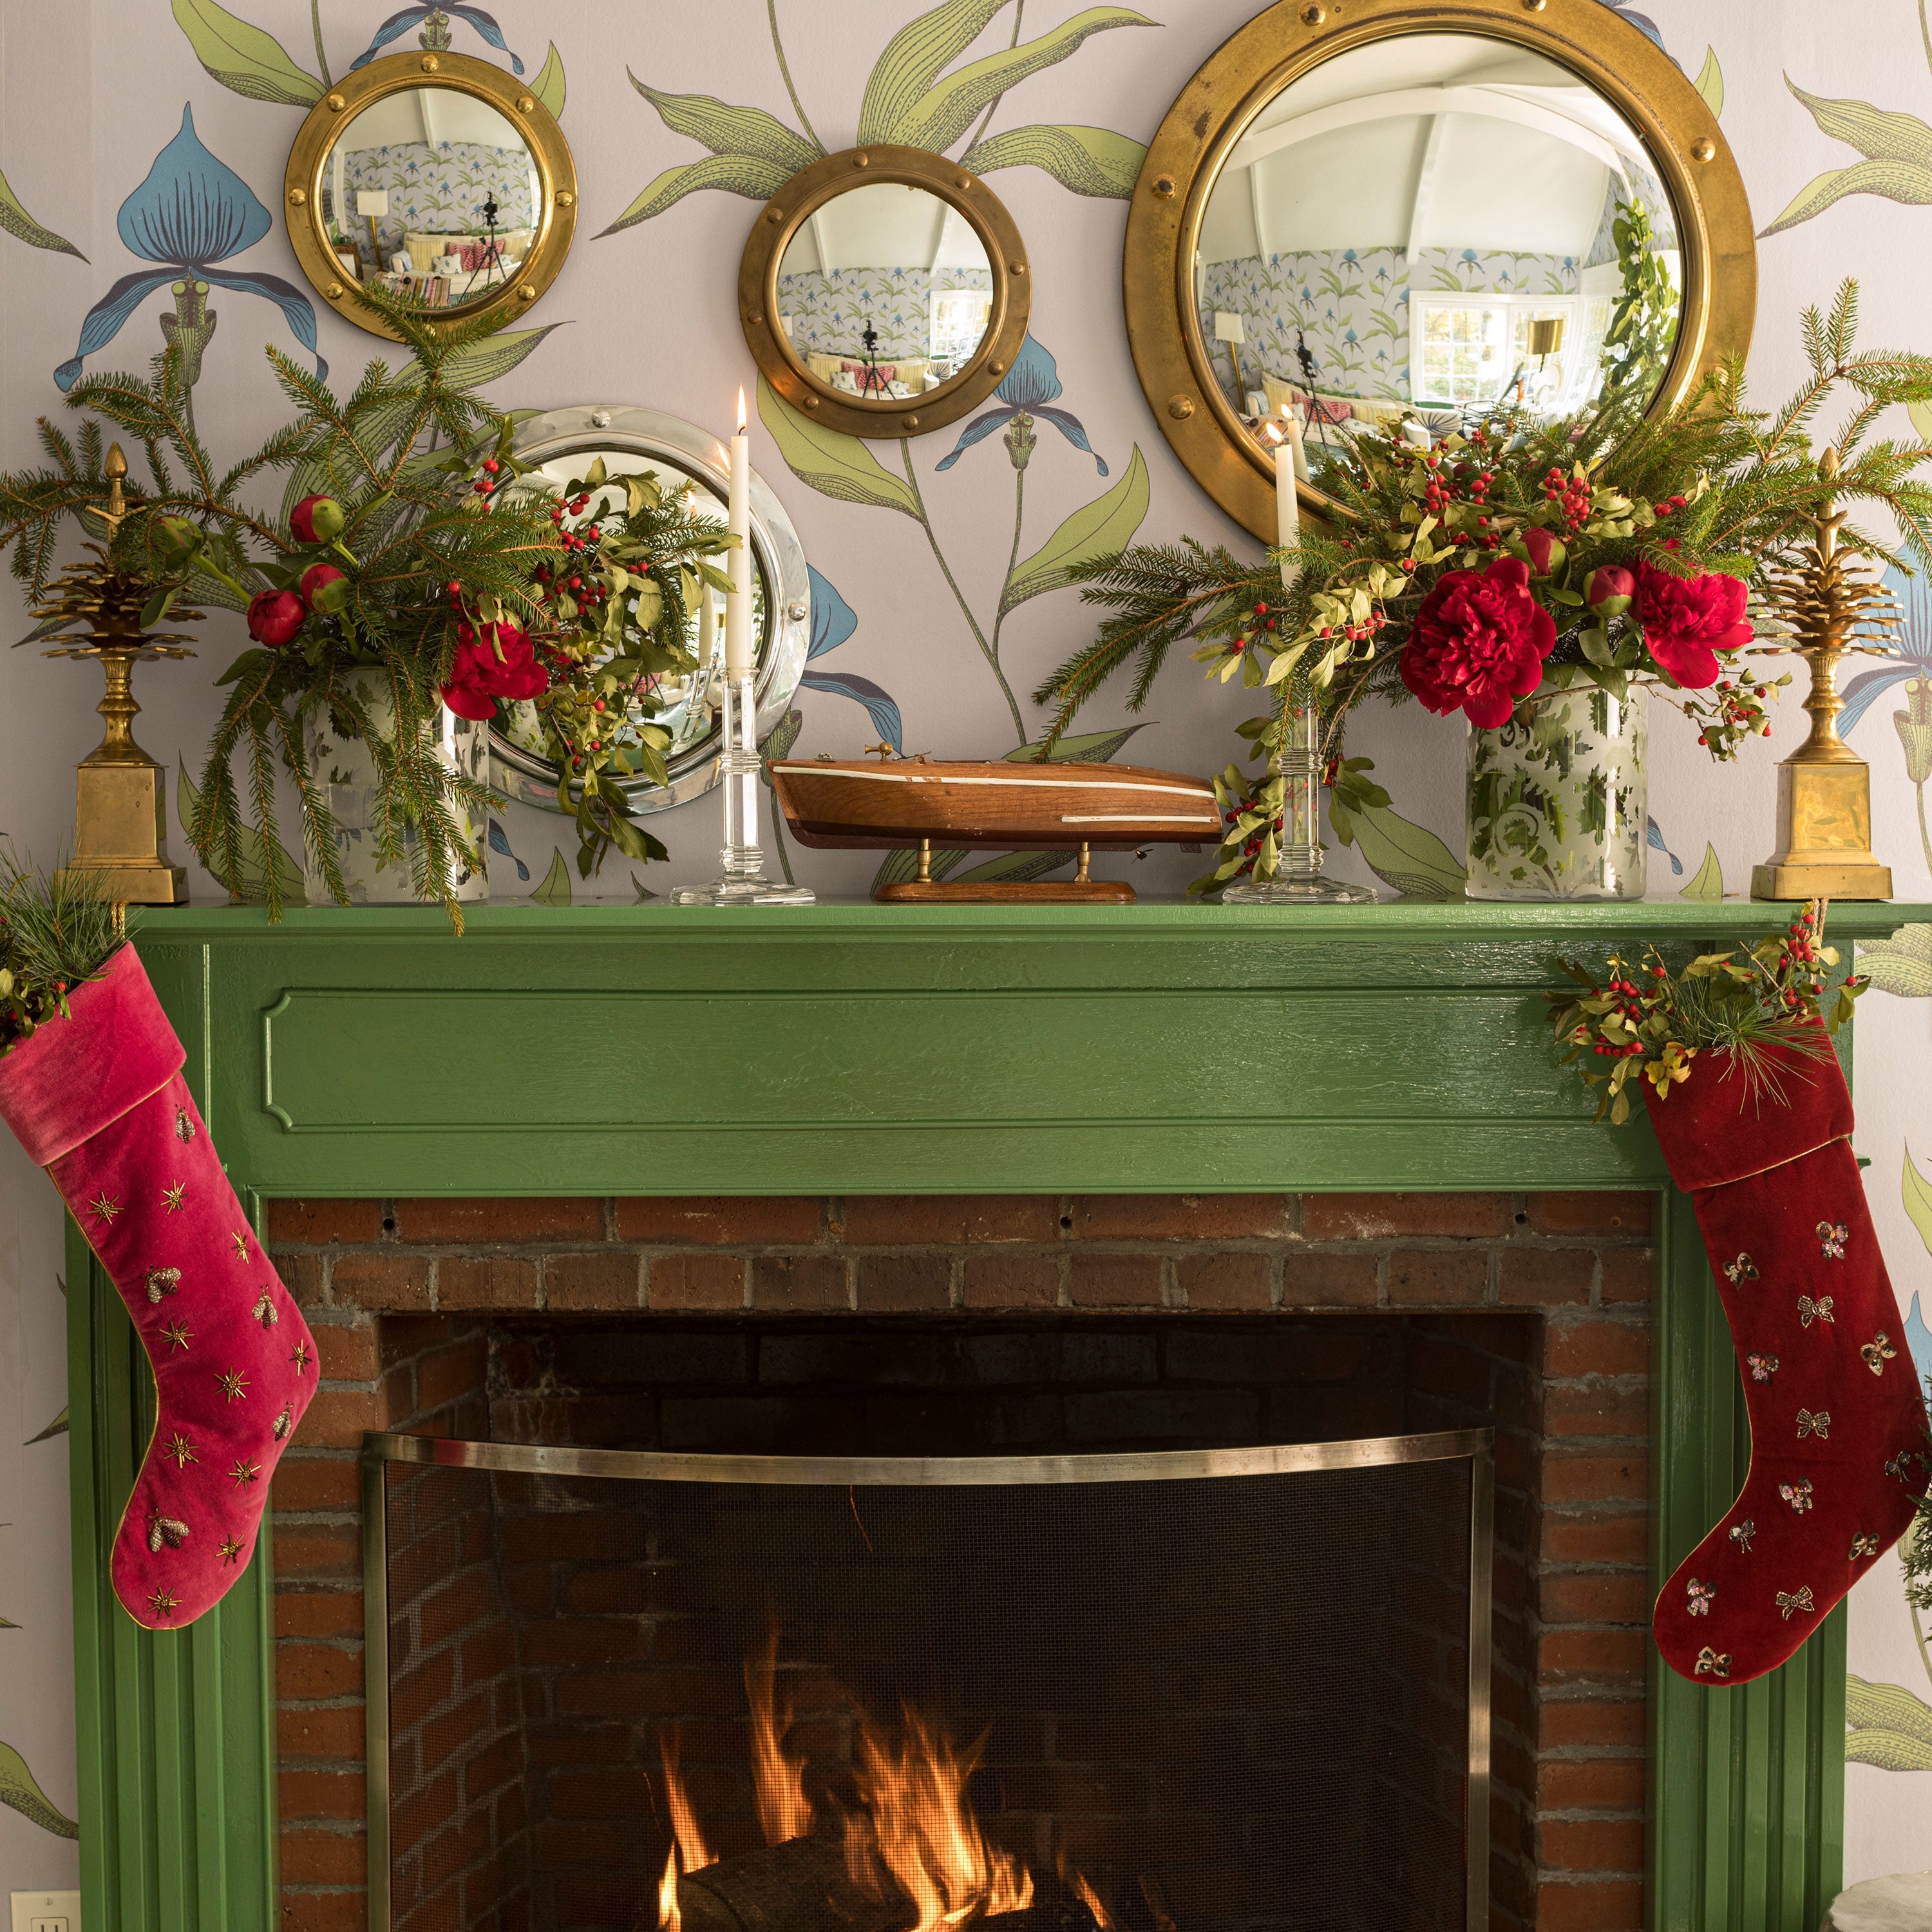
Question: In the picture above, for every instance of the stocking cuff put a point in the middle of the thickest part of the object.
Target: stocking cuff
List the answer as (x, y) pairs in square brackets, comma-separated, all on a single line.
[(73, 1077), (1731, 1119)]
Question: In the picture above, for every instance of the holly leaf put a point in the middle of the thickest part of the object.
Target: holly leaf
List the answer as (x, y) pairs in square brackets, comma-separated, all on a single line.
[(19, 1789), (244, 58), (749, 132), (1101, 528), (22, 225), (735, 174), (834, 464), (1089, 160), (1709, 883), (548, 87)]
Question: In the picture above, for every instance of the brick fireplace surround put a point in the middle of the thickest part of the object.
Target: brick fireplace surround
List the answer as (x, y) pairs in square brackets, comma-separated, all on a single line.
[(1529, 1311)]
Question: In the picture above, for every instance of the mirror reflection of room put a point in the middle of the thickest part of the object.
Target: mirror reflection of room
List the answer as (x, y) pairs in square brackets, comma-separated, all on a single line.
[(433, 195), (1421, 230), (885, 292)]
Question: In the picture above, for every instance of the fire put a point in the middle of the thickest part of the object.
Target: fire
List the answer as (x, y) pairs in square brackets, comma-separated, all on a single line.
[(690, 1845), (669, 1917), (783, 1810), (1101, 1916)]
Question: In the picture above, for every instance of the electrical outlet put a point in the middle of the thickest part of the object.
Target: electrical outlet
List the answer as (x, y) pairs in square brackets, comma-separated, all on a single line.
[(46, 1912)]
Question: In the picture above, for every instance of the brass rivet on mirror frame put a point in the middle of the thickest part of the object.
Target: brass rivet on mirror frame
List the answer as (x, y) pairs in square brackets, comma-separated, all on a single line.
[(908, 422), (1313, 17), (774, 215), (1180, 407), (430, 65), (334, 291), (1163, 187), (997, 368), (565, 199), (1534, 6), (337, 104), (861, 161), (962, 182), (1016, 268), (755, 321), (526, 105), (811, 402), (1704, 149), (527, 292), (298, 197)]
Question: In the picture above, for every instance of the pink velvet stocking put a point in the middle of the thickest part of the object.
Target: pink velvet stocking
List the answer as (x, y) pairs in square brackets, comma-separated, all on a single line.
[(97, 1100)]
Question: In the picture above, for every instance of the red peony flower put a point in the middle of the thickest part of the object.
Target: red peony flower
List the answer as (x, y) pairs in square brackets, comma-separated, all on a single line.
[(316, 519), (496, 661), (275, 615), (1478, 643), (1688, 620)]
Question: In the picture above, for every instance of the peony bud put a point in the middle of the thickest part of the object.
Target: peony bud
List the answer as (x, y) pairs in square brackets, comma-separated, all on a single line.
[(176, 537), (317, 519), (275, 615), (1609, 588), (326, 587), (1545, 548)]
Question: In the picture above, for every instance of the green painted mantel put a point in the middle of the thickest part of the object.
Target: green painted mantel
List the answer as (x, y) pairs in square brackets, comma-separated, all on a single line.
[(852, 1048)]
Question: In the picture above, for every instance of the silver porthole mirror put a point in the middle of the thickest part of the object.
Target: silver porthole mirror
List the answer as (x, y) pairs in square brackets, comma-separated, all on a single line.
[(562, 445)]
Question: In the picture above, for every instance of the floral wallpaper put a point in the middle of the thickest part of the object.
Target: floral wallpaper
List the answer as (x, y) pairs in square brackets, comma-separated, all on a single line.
[(437, 190), (142, 152), (827, 312)]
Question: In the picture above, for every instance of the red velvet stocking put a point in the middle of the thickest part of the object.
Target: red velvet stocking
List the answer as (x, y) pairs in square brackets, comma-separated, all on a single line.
[(98, 1100), (1837, 1422)]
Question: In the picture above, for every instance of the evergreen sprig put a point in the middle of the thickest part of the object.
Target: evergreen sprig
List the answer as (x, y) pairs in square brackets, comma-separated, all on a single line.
[(55, 933)]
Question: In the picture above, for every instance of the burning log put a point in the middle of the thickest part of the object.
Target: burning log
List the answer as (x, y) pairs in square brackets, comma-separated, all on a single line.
[(800, 1886)]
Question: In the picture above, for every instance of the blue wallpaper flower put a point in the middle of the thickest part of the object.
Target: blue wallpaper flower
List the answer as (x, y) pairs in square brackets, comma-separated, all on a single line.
[(399, 24), (1030, 386)]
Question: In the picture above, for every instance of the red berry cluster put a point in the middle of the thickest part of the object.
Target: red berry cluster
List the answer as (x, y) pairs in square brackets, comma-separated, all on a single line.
[(1738, 712), (1571, 495), (485, 484), (1800, 971), (1630, 1009), (1251, 849)]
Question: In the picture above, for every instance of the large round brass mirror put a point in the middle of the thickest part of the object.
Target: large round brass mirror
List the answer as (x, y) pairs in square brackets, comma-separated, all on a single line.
[(1376, 215), (440, 179), (884, 291)]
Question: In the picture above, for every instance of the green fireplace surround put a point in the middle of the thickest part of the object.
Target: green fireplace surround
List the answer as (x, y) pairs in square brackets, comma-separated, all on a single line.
[(850, 1049)]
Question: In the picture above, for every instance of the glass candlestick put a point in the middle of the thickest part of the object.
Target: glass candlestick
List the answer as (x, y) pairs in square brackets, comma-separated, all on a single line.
[(1298, 878), (743, 882)]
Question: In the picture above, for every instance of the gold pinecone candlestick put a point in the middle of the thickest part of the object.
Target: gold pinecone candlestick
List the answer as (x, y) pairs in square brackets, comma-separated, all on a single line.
[(121, 831), (1824, 788)]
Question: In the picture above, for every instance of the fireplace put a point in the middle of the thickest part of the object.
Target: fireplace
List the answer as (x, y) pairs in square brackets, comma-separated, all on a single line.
[(1152, 1692)]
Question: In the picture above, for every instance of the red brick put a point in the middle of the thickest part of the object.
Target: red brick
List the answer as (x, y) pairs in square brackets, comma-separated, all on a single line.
[(318, 1550), (1591, 1213), (1179, 1217), (751, 1221), (1595, 1596), (444, 1736), (1590, 1723), (322, 1794), (448, 1374), (337, 1418), (1328, 1281), (1596, 1409), (318, 1612), (1621, 1536), (695, 1281), (780, 1282), (929, 1220), (325, 1911), (301, 1275), (1596, 1656), (1237, 1279), (330, 1731), (500, 1218), (890, 1284), (383, 1281), (1591, 1476), (1371, 1217), (1592, 1905), (1627, 1274), (404, 1336), (324, 1858), (416, 1693), (486, 1281), (611, 1280), (1536, 1277), (1011, 1281), (1438, 1278), (317, 1483), (345, 1351), (1114, 1281), (1590, 1784), (582, 1640), (1574, 1347), (318, 1223)]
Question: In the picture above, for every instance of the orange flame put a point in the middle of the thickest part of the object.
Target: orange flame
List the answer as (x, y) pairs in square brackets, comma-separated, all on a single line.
[(741, 413), (1101, 1916), (783, 1810), (1273, 434), (926, 1836), (691, 1844), (670, 1919)]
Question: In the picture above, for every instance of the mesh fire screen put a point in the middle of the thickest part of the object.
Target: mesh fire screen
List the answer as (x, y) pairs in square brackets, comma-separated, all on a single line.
[(1218, 1691)]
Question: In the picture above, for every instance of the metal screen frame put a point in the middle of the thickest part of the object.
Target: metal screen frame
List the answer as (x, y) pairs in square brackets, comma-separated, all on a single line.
[(1475, 1446)]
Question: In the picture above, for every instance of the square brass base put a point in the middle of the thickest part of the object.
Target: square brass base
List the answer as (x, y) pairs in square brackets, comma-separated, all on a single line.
[(1799, 878), (132, 885), (1824, 833)]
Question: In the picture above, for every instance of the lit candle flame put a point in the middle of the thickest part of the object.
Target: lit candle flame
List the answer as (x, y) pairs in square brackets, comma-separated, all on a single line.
[(741, 413), (1273, 434)]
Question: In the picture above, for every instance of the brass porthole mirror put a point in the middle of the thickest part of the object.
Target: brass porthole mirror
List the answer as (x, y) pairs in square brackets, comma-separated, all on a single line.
[(884, 291), (1375, 211), (440, 179)]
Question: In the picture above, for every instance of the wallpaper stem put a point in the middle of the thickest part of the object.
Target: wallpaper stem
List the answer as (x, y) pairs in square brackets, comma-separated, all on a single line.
[(1019, 14), (798, 106), (1019, 508), (321, 59)]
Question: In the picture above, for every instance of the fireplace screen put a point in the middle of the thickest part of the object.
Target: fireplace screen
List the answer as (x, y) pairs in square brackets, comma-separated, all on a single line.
[(1214, 1691)]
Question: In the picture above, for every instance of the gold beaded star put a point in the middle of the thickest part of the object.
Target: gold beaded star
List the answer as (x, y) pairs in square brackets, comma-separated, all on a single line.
[(162, 1602), (176, 1335), (181, 1449), (104, 1207), (173, 1196), (243, 1474), (241, 1241), (231, 1549), (300, 1356), (234, 1384)]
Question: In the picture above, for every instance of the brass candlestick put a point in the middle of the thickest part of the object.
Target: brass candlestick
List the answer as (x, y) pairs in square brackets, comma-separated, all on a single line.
[(1824, 788), (121, 832)]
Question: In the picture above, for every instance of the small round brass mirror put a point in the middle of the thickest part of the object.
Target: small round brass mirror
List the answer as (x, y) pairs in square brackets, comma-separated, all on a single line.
[(1379, 214), (884, 291), (441, 179)]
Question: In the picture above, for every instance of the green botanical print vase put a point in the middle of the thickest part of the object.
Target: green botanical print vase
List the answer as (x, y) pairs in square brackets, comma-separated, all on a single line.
[(1558, 798)]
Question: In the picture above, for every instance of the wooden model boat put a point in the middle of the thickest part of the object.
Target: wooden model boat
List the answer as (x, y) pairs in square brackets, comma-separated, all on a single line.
[(918, 802)]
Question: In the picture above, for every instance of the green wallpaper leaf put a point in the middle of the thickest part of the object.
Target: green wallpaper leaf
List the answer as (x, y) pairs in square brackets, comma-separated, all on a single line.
[(252, 876), (735, 174), (1400, 853), (1896, 181), (18, 1788), (1103, 528), (1710, 81), (1878, 135), (912, 62), (947, 110), (725, 130), (555, 890), (548, 87), (22, 225), (1089, 160), (1901, 964), (1887, 1750), (243, 57), (1917, 1192), (1887, 1707), (58, 1426), (1708, 882), (834, 464)]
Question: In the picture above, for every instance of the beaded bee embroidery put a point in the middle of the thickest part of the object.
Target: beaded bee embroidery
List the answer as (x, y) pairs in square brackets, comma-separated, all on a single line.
[(1742, 1270), (1831, 1237)]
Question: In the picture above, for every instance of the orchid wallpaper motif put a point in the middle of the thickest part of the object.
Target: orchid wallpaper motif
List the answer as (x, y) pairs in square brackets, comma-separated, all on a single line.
[(142, 146)]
